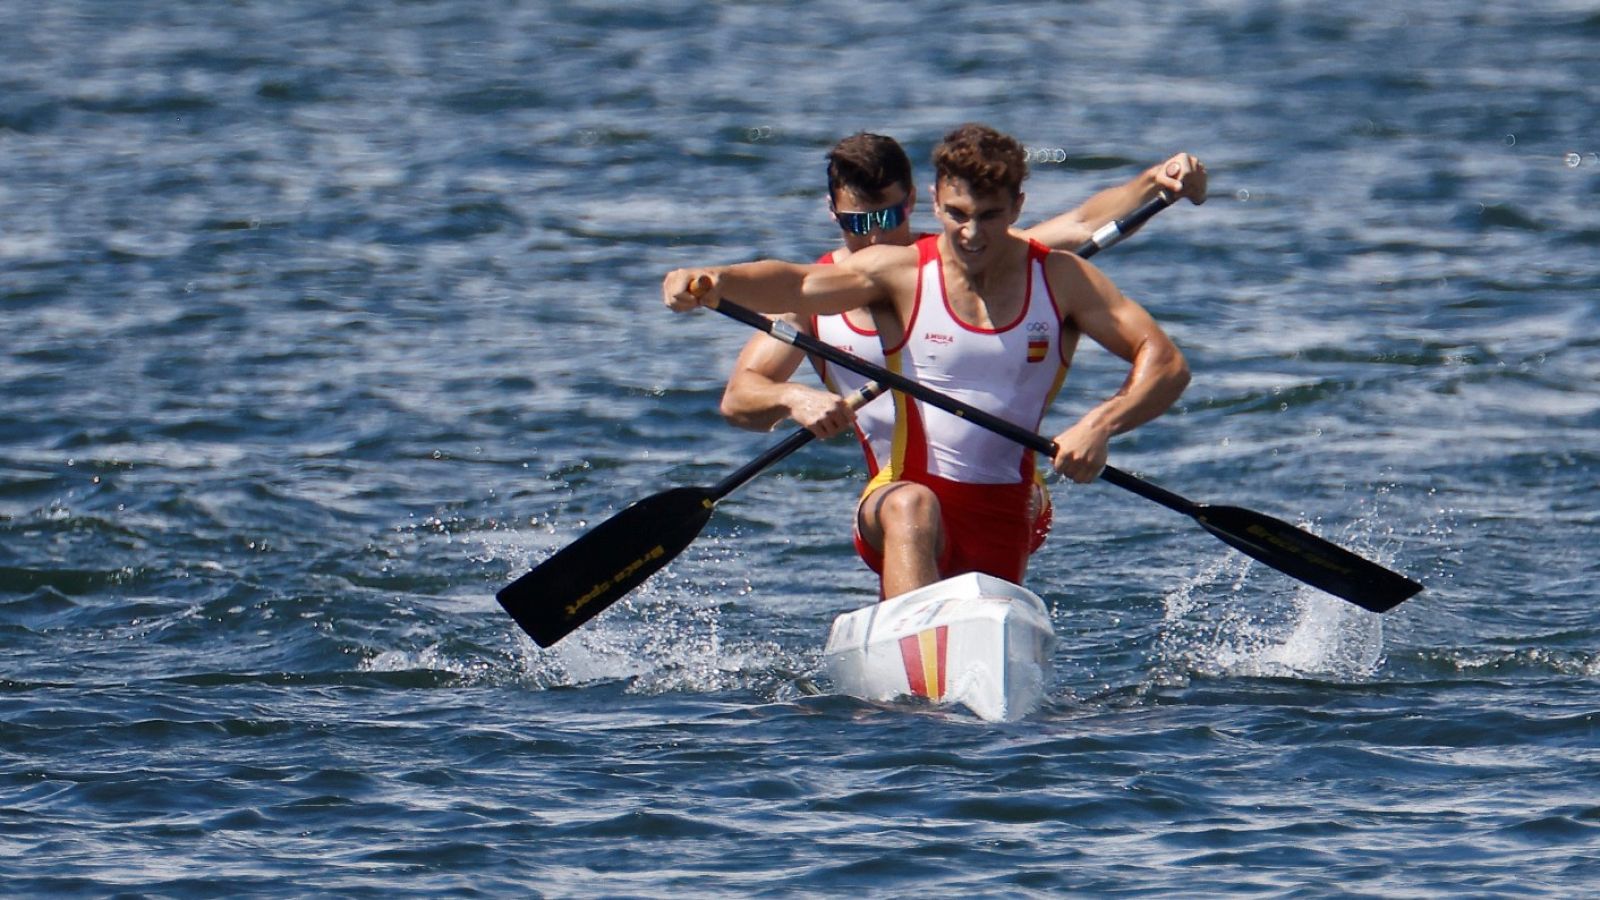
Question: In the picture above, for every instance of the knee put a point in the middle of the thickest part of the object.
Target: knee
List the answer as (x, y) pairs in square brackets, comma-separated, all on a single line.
[(910, 507)]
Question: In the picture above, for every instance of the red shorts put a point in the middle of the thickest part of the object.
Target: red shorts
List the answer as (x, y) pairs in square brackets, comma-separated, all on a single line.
[(990, 528)]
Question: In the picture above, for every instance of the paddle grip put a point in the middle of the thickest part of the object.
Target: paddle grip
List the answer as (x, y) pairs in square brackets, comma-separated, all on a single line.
[(699, 285)]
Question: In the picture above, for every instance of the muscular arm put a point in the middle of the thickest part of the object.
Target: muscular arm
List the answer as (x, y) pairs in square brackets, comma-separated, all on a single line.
[(1182, 176), (759, 394), (872, 276), (1157, 373)]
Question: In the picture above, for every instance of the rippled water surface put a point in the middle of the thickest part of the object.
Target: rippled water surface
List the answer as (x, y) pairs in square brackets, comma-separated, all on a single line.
[(325, 320)]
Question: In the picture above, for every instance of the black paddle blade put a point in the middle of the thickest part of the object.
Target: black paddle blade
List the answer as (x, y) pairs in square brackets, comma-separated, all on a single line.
[(1301, 554), (611, 559)]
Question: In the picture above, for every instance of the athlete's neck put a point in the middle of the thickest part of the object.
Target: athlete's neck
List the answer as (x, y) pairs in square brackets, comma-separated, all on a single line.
[(990, 276)]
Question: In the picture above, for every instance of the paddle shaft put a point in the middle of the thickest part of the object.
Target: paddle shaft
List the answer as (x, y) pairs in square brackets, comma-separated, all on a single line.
[(1107, 235), (1037, 442)]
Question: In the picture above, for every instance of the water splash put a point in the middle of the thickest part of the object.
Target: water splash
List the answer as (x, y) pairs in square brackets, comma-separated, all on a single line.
[(436, 658), (663, 644), (668, 636), (1214, 626)]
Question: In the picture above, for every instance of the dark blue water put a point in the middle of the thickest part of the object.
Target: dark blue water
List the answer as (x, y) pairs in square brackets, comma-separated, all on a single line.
[(325, 320)]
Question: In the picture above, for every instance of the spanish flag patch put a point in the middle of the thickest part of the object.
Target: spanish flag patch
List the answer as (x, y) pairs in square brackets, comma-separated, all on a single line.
[(1038, 348)]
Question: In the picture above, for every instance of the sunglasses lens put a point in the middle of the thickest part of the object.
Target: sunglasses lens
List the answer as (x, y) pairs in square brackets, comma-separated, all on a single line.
[(863, 222)]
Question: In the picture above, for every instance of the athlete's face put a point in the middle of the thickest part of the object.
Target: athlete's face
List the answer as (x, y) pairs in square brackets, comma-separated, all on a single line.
[(975, 224), (894, 198)]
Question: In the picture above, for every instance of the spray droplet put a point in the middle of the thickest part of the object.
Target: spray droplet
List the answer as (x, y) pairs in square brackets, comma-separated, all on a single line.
[(1574, 160), (1241, 195), (1511, 140)]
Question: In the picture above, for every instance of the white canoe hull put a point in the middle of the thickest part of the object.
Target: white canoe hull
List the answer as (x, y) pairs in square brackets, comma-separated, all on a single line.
[(973, 640)]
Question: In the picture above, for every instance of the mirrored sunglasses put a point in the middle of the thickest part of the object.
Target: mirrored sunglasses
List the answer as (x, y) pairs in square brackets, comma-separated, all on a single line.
[(886, 219)]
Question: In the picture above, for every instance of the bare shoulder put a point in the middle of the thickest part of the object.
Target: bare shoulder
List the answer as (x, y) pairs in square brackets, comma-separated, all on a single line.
[(1077, 284), (881, 258), (1067, 265), (891, 267)]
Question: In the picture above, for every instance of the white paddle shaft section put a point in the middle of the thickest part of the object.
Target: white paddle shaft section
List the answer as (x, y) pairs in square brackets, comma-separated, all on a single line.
[(1108, 235), (974, 640)]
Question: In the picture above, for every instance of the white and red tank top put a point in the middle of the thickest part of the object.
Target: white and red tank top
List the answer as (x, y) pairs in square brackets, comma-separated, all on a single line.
[(1013, 370)]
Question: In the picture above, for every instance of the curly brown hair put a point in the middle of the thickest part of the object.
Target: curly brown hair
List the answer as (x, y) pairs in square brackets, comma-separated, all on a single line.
[(982, 157), (868, 164)]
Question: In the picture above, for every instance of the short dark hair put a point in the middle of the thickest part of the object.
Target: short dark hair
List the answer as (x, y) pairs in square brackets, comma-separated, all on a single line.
[(982, 157), (868, 164)]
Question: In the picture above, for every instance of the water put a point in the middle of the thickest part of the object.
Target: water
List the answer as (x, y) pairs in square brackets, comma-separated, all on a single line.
[(324, 321)]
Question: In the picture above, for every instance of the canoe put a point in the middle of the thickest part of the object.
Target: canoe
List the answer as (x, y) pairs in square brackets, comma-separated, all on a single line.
[(973, 640)]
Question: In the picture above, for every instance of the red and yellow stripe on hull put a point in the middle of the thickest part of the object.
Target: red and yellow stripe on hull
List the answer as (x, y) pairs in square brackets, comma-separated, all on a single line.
[(924, 656)]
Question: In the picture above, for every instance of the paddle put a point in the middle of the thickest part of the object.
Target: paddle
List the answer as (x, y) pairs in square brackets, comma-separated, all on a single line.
[(1291, 550), (616, 556)]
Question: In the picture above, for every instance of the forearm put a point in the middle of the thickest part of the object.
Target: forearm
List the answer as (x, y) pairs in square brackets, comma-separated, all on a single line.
[(769, 286), (760, 394), (1117, 202), (1182, 175), (1155, 381), (1071, 229), (755, 402), (772, 287), (766, 286)]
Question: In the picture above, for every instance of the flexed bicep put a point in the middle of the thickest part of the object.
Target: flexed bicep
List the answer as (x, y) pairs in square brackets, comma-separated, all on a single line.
[(1095, 307)]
